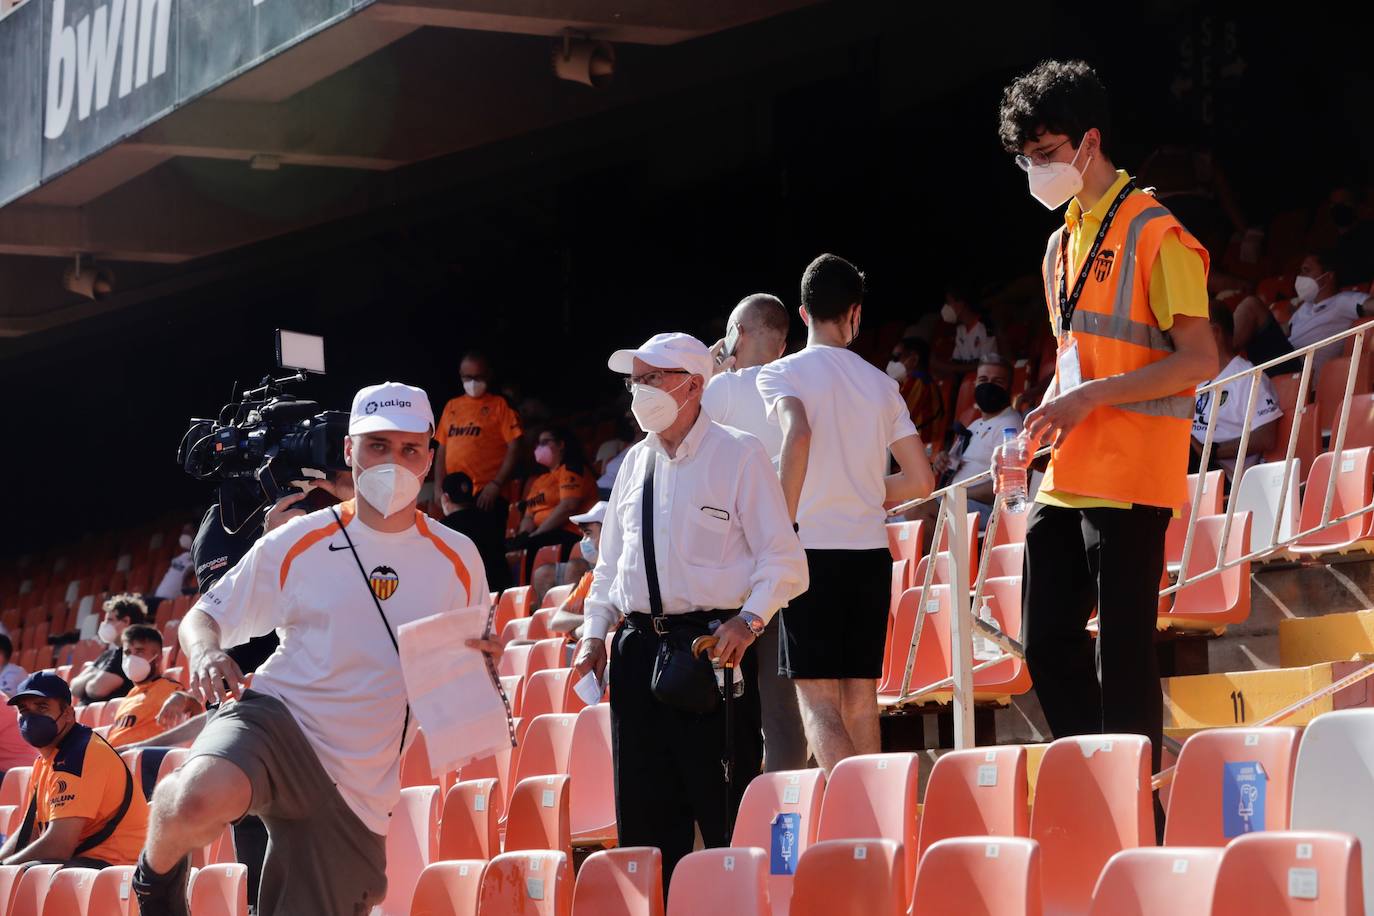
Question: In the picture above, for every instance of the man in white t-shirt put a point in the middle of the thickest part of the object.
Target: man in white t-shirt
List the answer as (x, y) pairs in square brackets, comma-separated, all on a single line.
[(972, 338), (756, 335), (840, 417), (314, 748), (1323, 310), (1231, 405)]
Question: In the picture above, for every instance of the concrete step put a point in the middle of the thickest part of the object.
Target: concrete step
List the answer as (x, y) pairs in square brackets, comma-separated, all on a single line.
[(1246, 697), (1331, 638)]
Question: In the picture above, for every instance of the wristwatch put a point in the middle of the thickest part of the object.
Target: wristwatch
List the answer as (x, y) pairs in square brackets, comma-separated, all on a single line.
[(753, 622)]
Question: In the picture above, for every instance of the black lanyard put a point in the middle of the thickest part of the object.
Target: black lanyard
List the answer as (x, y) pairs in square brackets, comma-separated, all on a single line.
[(1068, 302)]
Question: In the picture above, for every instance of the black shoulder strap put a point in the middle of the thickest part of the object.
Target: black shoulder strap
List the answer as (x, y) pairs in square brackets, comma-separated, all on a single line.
[(647, 525), (95, 839)]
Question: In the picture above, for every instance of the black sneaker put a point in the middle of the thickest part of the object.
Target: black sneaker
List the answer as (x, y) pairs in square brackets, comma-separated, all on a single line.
[(161, 895)]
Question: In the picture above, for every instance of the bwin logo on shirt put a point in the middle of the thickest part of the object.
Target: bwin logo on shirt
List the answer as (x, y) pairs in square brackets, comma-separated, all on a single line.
[(384, 582)]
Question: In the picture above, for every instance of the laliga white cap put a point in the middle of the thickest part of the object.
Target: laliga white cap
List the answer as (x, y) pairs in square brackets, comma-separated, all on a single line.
[(595, 515), (390, 406), (666, 351)]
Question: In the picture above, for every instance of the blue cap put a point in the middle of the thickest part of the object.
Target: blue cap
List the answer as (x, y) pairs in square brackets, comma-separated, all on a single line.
[(43, 684), (1009, 432)]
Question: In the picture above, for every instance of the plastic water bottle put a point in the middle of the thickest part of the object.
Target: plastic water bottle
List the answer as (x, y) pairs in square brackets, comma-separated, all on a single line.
[(1011, 476), (984, 649)]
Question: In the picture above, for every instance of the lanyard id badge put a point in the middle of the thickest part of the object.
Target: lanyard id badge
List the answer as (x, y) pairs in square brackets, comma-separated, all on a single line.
[(1068, 371)]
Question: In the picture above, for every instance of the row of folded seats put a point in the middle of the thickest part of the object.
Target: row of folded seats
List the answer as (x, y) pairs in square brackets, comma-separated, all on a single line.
[(44, 890), (1260, 821)]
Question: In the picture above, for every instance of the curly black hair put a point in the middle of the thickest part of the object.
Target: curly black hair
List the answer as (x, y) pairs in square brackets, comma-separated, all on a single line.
[(830, 286), (1057, 97)]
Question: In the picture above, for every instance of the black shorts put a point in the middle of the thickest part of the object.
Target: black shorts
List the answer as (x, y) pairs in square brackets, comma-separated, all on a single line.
[(838, 628)]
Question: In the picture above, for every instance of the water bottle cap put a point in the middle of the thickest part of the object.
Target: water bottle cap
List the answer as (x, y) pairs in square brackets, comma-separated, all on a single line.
[(1009, 432)]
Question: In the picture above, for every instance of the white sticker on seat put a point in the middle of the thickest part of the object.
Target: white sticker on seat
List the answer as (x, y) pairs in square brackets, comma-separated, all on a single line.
[(534, 888), (536, 863), (1347, 465), (987, 775), (1252, 740), (1090, 746), (791, 795), (632, 867), (933, 606), (882, 764), (1180, 866), (990, 756), (1304, 851), (729, 863), (992, 851), (479, 803), (547, 799), (1302, 883), (904, 533)]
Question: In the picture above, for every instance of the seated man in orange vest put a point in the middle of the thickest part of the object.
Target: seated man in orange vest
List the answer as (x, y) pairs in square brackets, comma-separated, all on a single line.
[(1126, 286), (83, 808), (156, 703)]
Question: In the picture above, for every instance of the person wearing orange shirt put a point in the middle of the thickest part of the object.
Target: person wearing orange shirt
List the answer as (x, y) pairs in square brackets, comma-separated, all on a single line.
[(552, 498), (83, 808), (479, 435), (156, 703)]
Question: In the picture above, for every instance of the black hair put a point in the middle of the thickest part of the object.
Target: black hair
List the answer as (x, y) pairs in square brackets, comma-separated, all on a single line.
[(1329, 261), (6, 647), (830, 286), (458, 488), (477, 356), (141, 632), (1221, 316), (1057, 97), (920, 348), (128, 606), (574, 458)]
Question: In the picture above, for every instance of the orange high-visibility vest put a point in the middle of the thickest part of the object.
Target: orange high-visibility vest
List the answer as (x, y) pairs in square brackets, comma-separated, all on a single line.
[(1134, 453)]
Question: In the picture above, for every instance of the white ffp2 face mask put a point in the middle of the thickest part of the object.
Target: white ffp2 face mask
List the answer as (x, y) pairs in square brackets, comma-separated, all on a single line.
[(654, 409), (1307, 288), (108, 633), (475, 388), (137, 668), (1055, 182), (388, 488), (896, 371)]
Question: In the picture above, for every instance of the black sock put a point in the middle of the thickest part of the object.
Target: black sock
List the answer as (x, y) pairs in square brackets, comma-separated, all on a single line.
[(146, 875)]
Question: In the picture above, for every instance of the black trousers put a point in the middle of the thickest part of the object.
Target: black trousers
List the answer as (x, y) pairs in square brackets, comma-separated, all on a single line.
[(668, 773), (1111, 559)]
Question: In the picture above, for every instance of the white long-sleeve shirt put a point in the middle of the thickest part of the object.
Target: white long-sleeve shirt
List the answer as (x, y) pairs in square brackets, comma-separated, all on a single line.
[(722, 535)]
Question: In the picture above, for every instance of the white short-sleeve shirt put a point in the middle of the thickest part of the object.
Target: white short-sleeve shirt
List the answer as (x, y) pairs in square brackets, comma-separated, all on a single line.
[(1315, 321), (972, 343), (985, 434), (733, 399), (1231, 410)]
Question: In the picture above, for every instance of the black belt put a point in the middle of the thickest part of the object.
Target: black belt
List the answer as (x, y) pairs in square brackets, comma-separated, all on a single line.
[(665, 622)]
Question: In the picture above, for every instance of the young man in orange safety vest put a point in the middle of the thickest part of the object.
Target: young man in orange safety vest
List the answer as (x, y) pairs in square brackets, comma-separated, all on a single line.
[(1126, 286)]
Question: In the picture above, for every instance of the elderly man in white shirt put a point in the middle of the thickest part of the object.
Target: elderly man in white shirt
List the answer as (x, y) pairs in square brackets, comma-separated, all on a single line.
[(718, 554)]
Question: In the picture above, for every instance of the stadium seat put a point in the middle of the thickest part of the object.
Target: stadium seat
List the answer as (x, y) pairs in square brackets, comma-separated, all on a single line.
[(1290, 872), (547, 747), (1011, 530), (1226, 780), (1333, 785), (850, 878), (545, 654), (874, 796), (1092, 800), (904, 542), (1361, 422), (1151, 881), (1225, 597), (527, 884), (9, 819), (1260, 489), (1309, 444), (495, 766), (9, 880), (548, 691), (554, 597), (69, 893), (537, 817), (513, 685), (222, 890), (539, 624), (976, 792), (31, 890), (1178, 526), (90, 713), (929, 665), (592, 812), (170, 761), (720, 881), (14, 790), (111, 894), (1006, 559), (795, 793), (412, 842), (1354, 490), (980, 876), (942, 570), (513, 603), (517, 629), (1009, 678), (514, 659), (448, 888), (1331, 391), (468, 826), (620, 882), (415, 769), (901, 571), (108, 712)]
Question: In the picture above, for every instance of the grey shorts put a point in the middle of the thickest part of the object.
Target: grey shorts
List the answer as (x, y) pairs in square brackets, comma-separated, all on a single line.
[(321, 859)]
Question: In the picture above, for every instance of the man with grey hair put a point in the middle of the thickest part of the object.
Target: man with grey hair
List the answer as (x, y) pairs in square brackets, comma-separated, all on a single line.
[(755, 335), (971, 453)]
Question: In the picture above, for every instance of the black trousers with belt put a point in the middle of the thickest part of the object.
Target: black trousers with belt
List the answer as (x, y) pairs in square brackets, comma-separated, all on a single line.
[(1111, 559), (668, 774)]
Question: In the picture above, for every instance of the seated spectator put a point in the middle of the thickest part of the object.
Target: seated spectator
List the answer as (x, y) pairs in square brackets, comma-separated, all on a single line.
[(569, 617), (910, 367), (156, 703), (14, 750), (973, 337), (174, 580), (630, 433), (552, 498), (85, 810), (971, 453), (10, 673), (1235, 397), (1323, 311), (458, 502), (104, 678)]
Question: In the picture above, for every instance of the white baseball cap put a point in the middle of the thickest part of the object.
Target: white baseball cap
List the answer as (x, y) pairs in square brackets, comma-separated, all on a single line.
[(593, 516), (674, 350), (391, 406)]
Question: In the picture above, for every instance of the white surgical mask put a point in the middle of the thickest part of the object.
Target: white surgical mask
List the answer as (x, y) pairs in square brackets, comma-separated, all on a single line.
[(185, 541), (137, 668), (949, 313), (896, 370), (388, 488), (654, 409), (1055, 182), (475, 388), (1307, 288), (108, 633), (588, 548)]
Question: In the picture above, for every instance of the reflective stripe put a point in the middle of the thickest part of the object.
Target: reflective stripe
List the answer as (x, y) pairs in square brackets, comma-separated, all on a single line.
[(1179, 407), (1125, 275), (1051, 264), (1123, 329)]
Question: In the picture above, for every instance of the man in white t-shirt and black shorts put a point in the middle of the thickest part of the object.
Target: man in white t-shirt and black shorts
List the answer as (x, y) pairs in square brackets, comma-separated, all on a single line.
[(840, 416), (314, 747)]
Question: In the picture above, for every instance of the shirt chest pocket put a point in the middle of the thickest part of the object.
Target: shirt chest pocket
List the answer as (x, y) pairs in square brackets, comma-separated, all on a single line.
[(707, 532)]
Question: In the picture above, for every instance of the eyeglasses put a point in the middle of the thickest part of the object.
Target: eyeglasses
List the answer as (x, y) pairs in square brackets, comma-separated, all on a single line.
[(473, 378), (653, 379), (1041, 157)]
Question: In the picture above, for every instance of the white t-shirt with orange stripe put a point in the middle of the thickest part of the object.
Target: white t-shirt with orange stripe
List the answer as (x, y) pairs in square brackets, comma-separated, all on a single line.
[(336, 668)]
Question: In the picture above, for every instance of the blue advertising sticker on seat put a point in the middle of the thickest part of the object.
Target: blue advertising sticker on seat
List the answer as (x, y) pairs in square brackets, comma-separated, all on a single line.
[(783, 856), (1243, 789)]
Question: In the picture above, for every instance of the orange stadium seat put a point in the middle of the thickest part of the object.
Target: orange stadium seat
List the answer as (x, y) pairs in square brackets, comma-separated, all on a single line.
[(513, 685), (412, 842), (539, 624), (1006, 559), (517, 629), (904, 541), (1361, 422), (928, 661), (1309, 443), (514, 659), (1297, 872), (555, 596), (1011, 529), (976, 792), (1225, 597), (537, 817), (545, 654), (769, 796), (592, 813), (620, 882), (31, 890), (222, 890), (850, 878), (468, 826), (1178, 526), (1354, 490), (1331, 390), (874, 795), (496, 767), (14, 790), (527, 884), (448, 888), (547, 747), (547, 692), (1260, 757), (415, 768), (1153, 881), (69, 893), (980, 876), (730, 880)]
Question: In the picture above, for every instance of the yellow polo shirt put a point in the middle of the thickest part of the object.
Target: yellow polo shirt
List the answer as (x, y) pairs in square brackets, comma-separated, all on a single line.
[(1178, 286)]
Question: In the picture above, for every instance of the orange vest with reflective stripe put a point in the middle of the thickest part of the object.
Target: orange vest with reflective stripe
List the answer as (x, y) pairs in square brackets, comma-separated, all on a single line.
[(1134, 453)]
